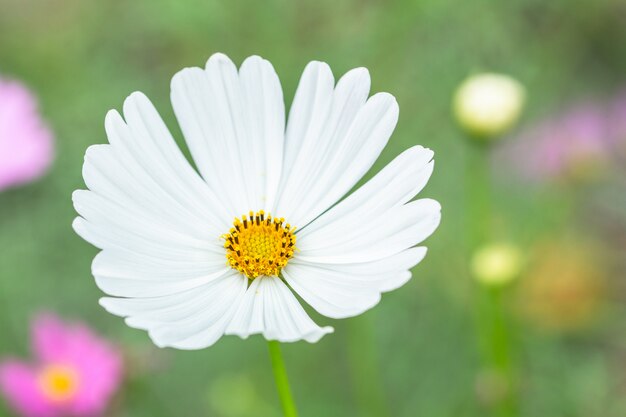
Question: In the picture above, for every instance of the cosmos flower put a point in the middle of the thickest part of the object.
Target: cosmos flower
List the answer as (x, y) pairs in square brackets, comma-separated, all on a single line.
[(74, 372), (26, 148), (192, 256)]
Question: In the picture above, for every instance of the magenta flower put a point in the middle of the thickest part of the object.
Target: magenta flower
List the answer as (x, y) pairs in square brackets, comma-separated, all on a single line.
[(26, 148), (578, 145), (74, 373)]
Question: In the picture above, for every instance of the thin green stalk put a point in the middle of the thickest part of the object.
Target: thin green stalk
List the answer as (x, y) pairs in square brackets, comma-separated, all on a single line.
[(282, 382), (478, 177), (495, 332), (492, 325)]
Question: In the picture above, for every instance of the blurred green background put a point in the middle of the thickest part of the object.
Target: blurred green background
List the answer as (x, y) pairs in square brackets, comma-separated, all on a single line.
[(84, 57)]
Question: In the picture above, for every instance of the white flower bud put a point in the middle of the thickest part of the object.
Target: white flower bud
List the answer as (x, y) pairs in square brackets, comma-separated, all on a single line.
[(496, 264), (487, 105)]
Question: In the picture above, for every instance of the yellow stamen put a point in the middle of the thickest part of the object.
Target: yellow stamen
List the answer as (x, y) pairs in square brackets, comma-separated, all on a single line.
[(58, 383), (259, 244)]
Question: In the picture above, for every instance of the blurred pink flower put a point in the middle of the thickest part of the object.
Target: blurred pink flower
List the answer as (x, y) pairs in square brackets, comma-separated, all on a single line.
[(579, 144), (74, 373), (26, 148)]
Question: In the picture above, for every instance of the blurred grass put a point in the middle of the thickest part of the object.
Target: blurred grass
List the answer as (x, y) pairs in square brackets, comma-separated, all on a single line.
[(84, 57)]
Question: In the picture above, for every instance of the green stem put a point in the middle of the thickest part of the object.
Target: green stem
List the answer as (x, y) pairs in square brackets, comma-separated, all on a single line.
[(492, 325), (479, 188), (282, 382), (494, 328)]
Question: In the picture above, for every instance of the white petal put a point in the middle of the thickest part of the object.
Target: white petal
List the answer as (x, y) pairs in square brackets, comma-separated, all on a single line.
[(153, 146), (309, 111), (401, 228), (133, 266), (394, 185), (265, 108), (144, 170), (319, 116), (123, 275), (345, 290), (128, 223), (329, 292), (127, 274), (339, 142), (269, 308), (351, 158), (192, 319), (115, 238), (126, 183), (158, 224), (234, 126)]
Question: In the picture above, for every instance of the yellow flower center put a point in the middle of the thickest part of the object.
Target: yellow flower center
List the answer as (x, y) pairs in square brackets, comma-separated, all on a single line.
[(259, 244), (58, 383)]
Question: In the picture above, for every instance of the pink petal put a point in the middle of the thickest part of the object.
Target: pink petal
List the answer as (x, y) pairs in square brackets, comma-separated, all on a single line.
[(49, 339), (101, 370), (18, 383), (97, 362), (26, 144)]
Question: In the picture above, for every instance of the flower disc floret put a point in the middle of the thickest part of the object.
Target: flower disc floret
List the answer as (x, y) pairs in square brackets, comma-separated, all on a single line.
[(58, 383), (259, 245)]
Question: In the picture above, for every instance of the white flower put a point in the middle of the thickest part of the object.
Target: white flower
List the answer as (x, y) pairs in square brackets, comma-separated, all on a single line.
[(178, 257), (487, 105)]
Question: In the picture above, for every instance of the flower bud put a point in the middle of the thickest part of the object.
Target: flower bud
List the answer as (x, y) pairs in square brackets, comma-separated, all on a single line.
[(496, 264), (487, 105)]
